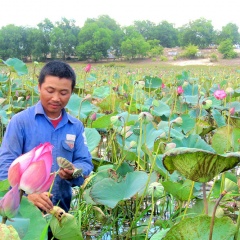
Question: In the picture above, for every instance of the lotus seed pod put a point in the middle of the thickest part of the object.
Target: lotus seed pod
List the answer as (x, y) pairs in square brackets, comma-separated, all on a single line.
[(146, 117), (156, 189), (8, 232), (207, 104)]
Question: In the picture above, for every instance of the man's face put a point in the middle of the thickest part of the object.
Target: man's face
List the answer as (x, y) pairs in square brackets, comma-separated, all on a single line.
[(54, 94)]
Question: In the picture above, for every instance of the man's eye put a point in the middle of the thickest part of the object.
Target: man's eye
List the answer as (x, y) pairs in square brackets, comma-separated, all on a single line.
[(63, 93), (49, 90)]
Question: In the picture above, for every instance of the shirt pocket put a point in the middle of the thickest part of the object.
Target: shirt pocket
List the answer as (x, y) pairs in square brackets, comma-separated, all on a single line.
[(67, 149)]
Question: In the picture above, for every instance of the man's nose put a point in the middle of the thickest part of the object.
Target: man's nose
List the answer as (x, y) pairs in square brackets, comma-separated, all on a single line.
[(56, 97)]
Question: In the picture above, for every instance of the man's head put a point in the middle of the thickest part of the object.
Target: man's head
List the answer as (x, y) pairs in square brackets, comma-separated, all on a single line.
[(58, 69), (56, 82)]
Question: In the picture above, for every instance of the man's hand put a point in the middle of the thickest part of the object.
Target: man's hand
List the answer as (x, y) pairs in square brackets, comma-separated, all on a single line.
[(41, 200), (65, 173)]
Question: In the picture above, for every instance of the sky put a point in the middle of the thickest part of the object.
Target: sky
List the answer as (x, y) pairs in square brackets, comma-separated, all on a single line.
[(124, 12)]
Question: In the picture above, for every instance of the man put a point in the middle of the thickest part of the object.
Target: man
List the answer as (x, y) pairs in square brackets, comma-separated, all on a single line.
[(47, 121)]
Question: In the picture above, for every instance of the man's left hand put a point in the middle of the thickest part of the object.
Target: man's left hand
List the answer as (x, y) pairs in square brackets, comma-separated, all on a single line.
[(65, 173)]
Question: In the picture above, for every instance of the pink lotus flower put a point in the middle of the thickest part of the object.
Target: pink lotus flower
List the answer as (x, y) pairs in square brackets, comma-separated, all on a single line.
[(93, 116), (180, 90), (163, 85), (219, 94), (9, 204), (88, 68), (232, 111), (31, 171)]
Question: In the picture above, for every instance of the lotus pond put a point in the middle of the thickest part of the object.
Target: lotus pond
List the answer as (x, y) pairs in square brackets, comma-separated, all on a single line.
[(165, 143)]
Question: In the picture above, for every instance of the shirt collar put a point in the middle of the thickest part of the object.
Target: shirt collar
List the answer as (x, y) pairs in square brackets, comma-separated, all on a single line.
[(39, 110)]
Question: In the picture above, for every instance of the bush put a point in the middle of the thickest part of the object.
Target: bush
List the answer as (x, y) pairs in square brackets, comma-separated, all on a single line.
[(213, 57), (226, 48), (190, 51), (163, 58)]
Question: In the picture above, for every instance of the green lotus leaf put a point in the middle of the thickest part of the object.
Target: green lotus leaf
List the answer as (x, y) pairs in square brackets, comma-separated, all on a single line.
[(76, 105), (226, 139), (17, 66), (180, 191), (93, 138), (152, 82), (109, 192), (65, 229), (193, 141), (197, 164), (219, 119), (101, 92), (235, 121), (197, 228)]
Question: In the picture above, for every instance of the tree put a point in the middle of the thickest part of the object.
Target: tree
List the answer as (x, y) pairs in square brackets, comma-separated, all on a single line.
[(199, 32), (44, 41), (11, 40), (133, 47), (94, 42), (64, 38), (146, 29), (166, 34), (230, 31)]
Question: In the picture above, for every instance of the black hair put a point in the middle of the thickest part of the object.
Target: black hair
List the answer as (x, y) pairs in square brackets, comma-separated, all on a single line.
[(58, 69)]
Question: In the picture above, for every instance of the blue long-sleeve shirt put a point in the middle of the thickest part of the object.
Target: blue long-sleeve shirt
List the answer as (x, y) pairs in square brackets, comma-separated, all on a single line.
[(30, 127)]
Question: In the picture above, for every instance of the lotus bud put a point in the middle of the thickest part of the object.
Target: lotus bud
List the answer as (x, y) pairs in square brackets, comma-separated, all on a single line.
[(207, 104), (170, 146), (9, 204), (146, 117), (93, 116), (178, 121), (88, 97), (132, 144), (232, 111), (229, 185), (36, 63), (180, 90), (185, 83), (88, 68), (229, 91)]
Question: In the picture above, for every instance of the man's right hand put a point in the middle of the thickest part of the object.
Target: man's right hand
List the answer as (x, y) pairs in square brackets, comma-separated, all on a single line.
[(41, 200)]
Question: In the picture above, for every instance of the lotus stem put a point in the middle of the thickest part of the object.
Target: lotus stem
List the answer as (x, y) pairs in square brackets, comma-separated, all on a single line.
[(189, 199), (205, 199), (21, 194), (151, 216), (238, 225), (4, 220), (214, 212)]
